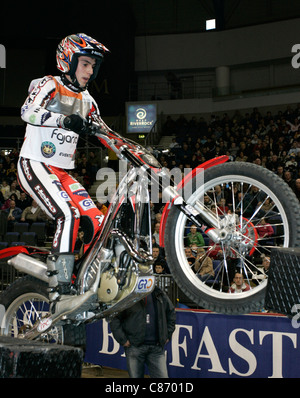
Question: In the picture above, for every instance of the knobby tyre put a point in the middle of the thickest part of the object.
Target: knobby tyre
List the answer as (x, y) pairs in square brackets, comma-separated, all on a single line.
[(26, 301), (251, 193)]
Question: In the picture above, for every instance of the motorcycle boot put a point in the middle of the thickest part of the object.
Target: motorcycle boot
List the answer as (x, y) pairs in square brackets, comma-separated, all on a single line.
[(60, 270)]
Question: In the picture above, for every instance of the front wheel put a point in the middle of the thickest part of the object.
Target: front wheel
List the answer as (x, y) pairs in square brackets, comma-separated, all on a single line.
[(25, 302), (257, 211)]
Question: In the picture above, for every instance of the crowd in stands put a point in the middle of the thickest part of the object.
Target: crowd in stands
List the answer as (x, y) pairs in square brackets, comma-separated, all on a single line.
[(272, 141), (269, 140), (17, 207)]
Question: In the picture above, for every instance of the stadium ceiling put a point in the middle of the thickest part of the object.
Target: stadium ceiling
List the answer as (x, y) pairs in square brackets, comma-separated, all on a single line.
[(157, 17)]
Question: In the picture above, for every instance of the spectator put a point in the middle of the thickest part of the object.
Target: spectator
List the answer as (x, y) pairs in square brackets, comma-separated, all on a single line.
[(156, 252), (11, 173), (289, 179), (222, 207), (291, 164), (24, 201), (194, 237), (13, 215), (101, 206), (143, 330), (33, 213), (273, 163), (264, 229), (239, 285), (13, 189), (189, 256), (263, 273), (159, 268), (79, 244), (207, 201), (5, 189), (203, 266), (156, 232), (280, 171)]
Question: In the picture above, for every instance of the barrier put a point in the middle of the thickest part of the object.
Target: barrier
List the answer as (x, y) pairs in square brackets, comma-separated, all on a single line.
[(206, 344), (34, 359)]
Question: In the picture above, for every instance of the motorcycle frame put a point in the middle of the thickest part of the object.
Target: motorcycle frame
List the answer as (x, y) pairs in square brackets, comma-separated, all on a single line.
[(130, 152), (143, 167)]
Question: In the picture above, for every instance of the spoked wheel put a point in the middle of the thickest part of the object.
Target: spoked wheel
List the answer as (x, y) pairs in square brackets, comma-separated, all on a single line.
[(26, 302), (247, 201)]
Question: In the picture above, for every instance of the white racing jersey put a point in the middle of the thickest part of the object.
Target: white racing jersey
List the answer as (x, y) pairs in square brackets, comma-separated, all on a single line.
[(48, 102)]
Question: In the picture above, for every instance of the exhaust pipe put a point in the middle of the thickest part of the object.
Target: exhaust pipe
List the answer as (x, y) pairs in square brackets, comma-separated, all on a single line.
[(29, 265)]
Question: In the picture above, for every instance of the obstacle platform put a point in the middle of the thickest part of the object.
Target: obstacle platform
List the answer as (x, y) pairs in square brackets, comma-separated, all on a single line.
[(33, 359), (283, 289)]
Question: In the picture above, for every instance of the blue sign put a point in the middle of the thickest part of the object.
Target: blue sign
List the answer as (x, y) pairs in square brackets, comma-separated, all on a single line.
[(141, 118), (214, 345)]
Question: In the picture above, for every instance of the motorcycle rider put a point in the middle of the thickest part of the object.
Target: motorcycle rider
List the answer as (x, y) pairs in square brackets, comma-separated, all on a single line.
[(56, 112)]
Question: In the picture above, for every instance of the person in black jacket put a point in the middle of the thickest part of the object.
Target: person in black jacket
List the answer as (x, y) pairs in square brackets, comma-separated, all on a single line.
[(143, 330)]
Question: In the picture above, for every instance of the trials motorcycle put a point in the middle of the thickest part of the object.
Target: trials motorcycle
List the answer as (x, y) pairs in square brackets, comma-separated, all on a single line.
[(225, 200)]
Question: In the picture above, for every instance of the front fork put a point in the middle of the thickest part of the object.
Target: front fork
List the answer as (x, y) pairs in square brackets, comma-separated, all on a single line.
[(203, 218)]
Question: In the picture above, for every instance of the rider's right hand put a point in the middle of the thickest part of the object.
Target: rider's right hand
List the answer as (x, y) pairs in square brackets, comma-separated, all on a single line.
[(76, 123)]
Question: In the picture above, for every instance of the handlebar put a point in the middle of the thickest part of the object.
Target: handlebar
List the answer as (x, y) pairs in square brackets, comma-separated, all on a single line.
[(124, 148), (113, 140)]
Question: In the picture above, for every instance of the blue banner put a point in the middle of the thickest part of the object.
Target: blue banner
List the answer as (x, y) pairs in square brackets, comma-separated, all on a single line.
[(206, 345)]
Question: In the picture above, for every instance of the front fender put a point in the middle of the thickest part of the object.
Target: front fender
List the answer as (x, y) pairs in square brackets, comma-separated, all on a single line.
[(199, 169)]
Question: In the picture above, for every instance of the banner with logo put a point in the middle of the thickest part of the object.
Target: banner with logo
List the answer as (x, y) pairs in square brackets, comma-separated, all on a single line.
[(213, 345), (141, 118)]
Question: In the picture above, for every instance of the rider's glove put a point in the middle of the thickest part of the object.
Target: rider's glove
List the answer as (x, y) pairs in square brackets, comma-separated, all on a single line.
[(77, 124)]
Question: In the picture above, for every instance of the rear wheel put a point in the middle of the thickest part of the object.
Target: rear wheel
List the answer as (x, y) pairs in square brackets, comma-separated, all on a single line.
[(25, 302), (251, 193)]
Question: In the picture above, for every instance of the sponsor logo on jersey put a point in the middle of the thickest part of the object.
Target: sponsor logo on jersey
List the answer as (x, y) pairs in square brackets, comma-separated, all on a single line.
[(59, 224), (77, 189), (87, 204), (45, 198), (26, 169), (64, 196), (48, 149), (62, 138)]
